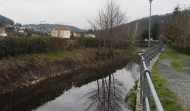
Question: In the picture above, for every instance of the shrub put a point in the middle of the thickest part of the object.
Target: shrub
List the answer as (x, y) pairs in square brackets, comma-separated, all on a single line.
[(87, 42), (22, 45), (180, 49), (2, 53)]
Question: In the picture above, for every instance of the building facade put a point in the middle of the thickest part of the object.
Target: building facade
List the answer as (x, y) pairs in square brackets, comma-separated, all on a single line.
[(3, 32), (77, 34), (21, 31), (90, 35), (61, 32)]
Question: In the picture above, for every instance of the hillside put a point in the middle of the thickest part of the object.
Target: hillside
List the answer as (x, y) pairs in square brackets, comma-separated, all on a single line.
[(5, 21), (155, 18), (47, 27), (134, 29)]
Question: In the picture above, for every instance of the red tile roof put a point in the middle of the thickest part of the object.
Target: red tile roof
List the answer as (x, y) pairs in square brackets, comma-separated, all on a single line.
[(60, 28)]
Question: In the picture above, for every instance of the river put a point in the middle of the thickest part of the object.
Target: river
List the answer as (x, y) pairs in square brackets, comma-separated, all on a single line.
[(102, 93)]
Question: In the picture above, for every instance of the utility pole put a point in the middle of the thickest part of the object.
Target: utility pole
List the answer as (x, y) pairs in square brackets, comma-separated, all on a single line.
[(149, 31)]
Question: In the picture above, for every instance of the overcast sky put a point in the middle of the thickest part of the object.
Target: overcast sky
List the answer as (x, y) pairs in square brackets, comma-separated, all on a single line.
[(75, 12)]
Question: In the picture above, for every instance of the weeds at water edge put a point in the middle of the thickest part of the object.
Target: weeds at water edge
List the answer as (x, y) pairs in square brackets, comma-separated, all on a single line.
[(130, 98)]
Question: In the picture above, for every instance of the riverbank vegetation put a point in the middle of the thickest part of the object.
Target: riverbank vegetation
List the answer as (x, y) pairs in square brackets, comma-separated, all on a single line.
[(130, 98), (26, 61), (25, 70), (12, 46)]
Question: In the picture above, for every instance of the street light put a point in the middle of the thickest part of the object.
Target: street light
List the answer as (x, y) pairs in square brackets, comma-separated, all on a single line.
[(162, 36), (149, 31)]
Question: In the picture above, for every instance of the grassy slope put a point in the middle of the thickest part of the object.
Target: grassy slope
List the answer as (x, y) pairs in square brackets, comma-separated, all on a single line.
[(30, 59)]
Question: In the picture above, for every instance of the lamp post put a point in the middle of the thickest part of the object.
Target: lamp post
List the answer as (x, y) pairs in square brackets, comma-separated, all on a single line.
[(162, 36), (149, 31)]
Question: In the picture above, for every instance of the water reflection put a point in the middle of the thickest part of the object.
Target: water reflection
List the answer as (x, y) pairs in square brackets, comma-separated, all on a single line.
[(134, 69), (107, 96), (109, 93)]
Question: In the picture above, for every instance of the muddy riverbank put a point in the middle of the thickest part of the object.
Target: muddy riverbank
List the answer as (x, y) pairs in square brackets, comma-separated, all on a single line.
[(17, 74)]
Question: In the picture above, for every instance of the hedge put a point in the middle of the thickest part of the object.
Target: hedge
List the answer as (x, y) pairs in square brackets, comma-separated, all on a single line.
[(22, 45), (180, 49), (12, 46)]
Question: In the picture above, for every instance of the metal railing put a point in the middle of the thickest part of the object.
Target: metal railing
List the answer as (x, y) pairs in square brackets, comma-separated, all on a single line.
[(146, 84)]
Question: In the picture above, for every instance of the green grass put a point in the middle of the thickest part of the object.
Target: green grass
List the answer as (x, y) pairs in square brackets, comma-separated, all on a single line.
[(28, 60), (57, 54), (129, 48), (172, 54), (137, 50), (130, 98), (35, 35), (167, 97), (177, 65)]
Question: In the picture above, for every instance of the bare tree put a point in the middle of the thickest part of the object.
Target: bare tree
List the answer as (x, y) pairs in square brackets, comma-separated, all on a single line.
[(178, 28), (109, 18), (135, 31)]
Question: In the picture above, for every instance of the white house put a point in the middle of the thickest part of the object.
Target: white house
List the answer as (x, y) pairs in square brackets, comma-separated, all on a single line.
[(21, 31), (89, 35), (22, 28), (2, 32), (61, 32)]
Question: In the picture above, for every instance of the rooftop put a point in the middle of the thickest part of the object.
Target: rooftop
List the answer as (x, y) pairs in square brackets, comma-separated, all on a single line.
[(60, 28)]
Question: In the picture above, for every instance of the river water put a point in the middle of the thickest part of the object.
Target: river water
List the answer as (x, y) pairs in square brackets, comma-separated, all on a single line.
[(104, 93)]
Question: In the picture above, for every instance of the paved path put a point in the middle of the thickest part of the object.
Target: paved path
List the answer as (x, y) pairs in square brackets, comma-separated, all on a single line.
[(178, 81)]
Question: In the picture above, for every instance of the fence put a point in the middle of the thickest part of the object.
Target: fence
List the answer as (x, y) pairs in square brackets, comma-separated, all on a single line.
[(146, 84)]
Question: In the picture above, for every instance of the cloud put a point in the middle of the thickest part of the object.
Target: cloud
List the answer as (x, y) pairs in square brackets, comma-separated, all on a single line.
[(74, 12)]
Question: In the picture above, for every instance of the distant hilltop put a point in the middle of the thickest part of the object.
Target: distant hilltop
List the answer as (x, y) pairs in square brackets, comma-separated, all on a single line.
[(47, 27), (5, 21)]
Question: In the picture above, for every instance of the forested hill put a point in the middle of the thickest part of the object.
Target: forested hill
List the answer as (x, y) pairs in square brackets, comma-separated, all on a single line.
[(5, 21), (134, 29), (47, 27), (155, 18)]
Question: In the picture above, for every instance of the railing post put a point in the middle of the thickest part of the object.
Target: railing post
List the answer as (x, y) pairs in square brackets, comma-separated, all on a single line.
[(141, 80), (146, 90)]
